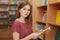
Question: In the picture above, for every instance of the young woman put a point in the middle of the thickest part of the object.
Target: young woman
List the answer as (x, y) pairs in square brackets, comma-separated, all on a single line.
[(21, 28)]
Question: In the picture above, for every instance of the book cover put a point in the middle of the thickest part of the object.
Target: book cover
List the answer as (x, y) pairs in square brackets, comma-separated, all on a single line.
[(59, 0), (58, 17), (39, 27), (57, 37)]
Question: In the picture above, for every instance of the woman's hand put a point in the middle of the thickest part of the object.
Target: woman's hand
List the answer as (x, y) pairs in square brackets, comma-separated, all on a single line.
[(36, 35)]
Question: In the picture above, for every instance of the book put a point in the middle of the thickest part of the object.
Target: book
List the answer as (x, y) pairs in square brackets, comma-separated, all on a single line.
[(58, 17), (46, 2), (44, 31), (4, 8), (40, 26), (14, 1), (59, 0), (4, 1), (5, 22), (44, 17), (12, 17), (4, 15), (13, 8), (43, 2), (12, 13), (57, 37)]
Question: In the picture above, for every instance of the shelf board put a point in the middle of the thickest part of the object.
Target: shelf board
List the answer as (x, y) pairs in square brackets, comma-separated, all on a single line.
[(4, 18), (13, 4), (54, 24), (13, 10), (41, 22), (57, 2), (11, 20), (4, 4), (12, 15), (4, 11), (3, 26), (42, 6)]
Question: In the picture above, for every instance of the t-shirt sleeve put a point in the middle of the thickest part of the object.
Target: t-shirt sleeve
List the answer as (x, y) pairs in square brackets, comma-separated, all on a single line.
[(15, 27)]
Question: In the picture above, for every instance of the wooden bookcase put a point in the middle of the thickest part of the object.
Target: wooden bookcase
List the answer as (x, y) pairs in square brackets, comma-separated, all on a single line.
[(5, 29), (51, 9)]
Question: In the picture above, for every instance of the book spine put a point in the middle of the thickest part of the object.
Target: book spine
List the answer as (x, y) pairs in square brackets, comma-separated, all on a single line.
[(58, 17)]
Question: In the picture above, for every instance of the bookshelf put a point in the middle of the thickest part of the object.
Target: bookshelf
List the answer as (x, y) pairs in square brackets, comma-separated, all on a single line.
[(8, 10), (51, 17)]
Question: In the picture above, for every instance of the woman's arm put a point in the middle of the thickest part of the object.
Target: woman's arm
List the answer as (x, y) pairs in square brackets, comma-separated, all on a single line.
[(31, 36), (16, 36)]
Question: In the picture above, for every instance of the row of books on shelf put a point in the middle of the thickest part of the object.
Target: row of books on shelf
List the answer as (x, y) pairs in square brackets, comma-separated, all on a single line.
[(3, 15), (5, 22), (43, 2), (14, 1), (6, 8), (9, 1), (12, 13), (13, 8), (12, 17)]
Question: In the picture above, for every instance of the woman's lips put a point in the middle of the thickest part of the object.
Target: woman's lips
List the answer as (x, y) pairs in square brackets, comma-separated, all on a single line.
[(26, 14)]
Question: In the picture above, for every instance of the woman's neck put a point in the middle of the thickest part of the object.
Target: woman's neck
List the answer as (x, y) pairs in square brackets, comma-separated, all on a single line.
[(21, 19)]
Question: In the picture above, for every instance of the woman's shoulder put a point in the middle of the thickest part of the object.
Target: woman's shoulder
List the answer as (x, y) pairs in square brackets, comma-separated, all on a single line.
[(16, 21)]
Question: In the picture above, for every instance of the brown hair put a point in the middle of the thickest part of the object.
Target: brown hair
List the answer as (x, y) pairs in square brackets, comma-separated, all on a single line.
[(29, 18)]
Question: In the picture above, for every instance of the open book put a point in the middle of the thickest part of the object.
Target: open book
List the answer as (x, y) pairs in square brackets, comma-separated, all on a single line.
[(44, 31)]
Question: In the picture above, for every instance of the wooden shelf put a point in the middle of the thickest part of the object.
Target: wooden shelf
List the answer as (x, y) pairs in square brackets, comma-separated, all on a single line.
[(4, 26), (13, 4), (4, 4), (13, 10), (41, 22), (51, 10), (12, 15), (54, 24), (56, 2), (4, 18), (42, 6), (6, 35), (4, 11)]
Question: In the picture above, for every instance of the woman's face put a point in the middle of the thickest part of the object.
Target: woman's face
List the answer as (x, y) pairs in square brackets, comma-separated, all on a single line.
[(25, 11)]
